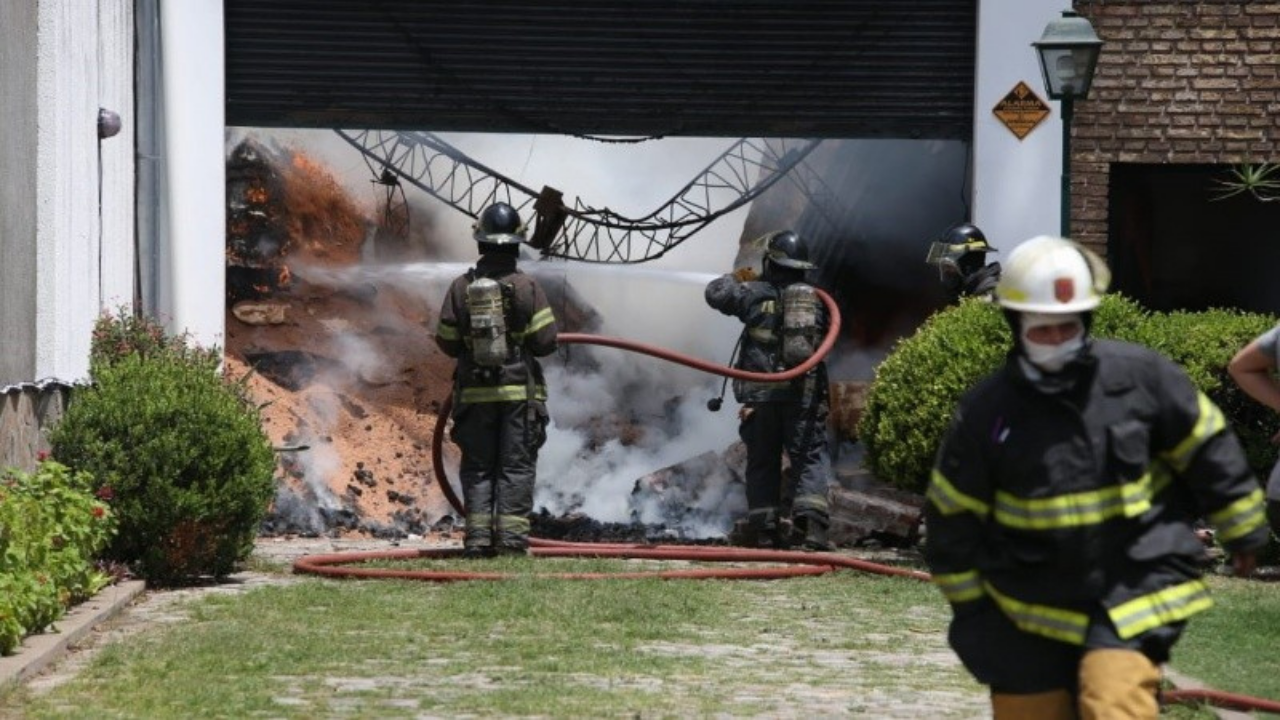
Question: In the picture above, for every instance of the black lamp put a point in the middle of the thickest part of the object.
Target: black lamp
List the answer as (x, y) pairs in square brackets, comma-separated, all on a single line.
[(1068, 51)]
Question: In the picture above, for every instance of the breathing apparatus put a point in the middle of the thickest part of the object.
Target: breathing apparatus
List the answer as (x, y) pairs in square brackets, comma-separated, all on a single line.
[(488, 322), (800, 331)]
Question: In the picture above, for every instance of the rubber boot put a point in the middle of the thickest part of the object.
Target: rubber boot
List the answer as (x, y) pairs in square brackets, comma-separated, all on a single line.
[(1052, 705), (810, 533), (757, 530), (1117, 683)]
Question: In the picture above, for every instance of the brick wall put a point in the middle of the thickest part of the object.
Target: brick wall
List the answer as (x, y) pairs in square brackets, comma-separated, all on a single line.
[(1177, 82)]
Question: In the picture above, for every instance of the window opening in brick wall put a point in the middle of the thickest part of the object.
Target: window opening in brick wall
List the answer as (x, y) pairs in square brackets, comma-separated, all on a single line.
[(1172, 245)]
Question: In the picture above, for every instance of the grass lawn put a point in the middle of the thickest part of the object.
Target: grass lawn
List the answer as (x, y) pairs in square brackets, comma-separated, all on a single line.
[(846, 644)]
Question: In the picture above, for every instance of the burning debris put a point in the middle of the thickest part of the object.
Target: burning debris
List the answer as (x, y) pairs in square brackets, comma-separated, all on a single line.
[(257, 234), (695, 499), (343, 362)]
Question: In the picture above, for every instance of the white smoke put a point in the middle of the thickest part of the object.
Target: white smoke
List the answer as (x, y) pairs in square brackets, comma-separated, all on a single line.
[(660, 406)]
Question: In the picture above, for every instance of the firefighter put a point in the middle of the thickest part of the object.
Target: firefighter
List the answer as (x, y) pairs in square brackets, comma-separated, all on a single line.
[(784, 322), (496, 321), (1060, 510), (961, 257)]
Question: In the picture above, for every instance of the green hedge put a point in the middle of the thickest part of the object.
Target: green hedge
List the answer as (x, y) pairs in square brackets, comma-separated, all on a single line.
[(916, 388), (51, 531), (181, 450)]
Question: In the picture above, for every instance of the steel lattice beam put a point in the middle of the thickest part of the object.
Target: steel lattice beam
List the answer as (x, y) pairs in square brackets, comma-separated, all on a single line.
[(746, 169)]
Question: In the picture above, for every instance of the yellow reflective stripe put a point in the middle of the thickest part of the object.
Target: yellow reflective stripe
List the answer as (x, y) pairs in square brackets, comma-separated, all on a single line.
[(1210, 423), (1051, 622), (1166, 606), (513, 523), (1074, 509), (959, 587), (1240, 517), (949, 500), (540, 319), (447, 331), (810, 502), (1161, 477), (768, 307), (501, 393), (761, 335)]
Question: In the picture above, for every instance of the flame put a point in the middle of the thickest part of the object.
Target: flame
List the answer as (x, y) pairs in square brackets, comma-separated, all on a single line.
[(284, 277), (256, 194)]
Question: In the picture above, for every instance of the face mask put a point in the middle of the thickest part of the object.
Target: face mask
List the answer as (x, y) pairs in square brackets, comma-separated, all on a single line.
[(1051, 358)]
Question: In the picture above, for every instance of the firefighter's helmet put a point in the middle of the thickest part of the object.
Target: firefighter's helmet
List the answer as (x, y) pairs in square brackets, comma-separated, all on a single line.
[(499, 224), (788, 249), (1052, 275), (962, 247)]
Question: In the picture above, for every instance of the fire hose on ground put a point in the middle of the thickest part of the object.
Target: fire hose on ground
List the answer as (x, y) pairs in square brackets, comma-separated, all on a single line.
[(782, 563)]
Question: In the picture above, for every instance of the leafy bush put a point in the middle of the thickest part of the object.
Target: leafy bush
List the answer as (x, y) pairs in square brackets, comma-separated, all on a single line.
[(181, 450), (51, 530), (1203, 343), (917, 387)]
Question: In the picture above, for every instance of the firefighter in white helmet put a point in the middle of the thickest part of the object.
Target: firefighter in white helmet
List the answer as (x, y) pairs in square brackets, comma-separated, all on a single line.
[(1060, 511), (496, 321)]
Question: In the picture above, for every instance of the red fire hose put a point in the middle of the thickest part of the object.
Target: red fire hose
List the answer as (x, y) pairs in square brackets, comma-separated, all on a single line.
[(792, 563), (828, 342)]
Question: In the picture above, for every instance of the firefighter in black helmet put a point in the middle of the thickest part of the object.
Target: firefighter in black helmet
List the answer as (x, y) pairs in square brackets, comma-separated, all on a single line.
[(961, 257), (784, 323), (496, 321)]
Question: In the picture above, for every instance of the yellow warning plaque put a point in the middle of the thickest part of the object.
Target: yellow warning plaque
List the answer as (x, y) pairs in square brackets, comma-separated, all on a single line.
[(1021, 110)]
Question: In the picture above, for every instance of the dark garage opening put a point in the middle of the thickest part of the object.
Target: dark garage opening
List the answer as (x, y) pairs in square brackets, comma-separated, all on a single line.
[(1177, 244)]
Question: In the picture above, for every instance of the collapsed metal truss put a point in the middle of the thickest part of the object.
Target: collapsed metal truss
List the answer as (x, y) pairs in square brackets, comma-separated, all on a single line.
[(582, 232)]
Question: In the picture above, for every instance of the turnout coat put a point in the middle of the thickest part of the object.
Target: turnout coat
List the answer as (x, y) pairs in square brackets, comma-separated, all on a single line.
[(1052, 505)]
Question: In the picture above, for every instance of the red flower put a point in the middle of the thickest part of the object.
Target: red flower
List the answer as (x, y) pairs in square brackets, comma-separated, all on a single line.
[(105, 493), (42, 456), (98, 511)]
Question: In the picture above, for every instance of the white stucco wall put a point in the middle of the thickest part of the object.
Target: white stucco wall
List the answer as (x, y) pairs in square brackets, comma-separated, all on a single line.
[(192, 229), (18, 21), (83, 188), (1016, 183)]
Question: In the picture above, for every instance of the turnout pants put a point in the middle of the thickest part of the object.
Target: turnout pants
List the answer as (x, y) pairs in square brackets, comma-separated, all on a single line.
[(1034, 677), (499, 443), (769, 430)]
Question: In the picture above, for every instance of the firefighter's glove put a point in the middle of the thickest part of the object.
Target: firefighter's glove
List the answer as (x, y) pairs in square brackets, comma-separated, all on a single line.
[(745, 274), (744, 412)]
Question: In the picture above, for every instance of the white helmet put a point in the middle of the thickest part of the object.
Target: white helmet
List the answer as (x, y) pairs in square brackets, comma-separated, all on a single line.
[(1052, 275)]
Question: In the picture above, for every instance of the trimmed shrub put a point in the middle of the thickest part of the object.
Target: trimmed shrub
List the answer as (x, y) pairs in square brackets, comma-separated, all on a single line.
[(1203, 343), (51, 530), (916, 388), (180, 449)]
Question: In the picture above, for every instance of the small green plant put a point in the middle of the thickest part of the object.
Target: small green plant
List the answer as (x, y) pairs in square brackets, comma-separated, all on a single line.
[(1258, 180), (52, 528), (181, 449)]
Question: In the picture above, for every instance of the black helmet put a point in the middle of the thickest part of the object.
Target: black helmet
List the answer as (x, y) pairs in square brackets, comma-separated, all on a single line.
[(968, 237), (499, 224), (788, 250), (962, 250)]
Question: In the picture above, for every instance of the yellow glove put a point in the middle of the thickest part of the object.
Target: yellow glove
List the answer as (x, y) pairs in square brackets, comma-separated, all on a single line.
[(745, 274)]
